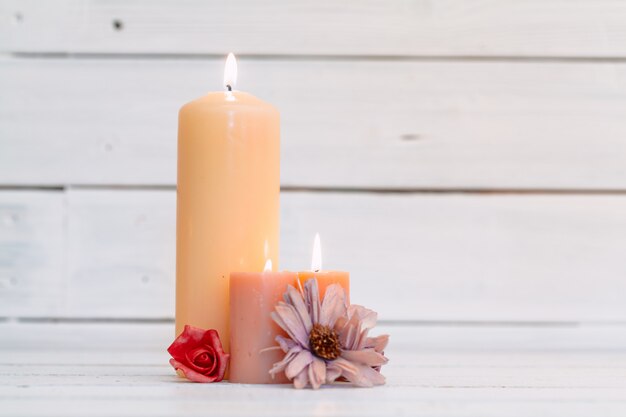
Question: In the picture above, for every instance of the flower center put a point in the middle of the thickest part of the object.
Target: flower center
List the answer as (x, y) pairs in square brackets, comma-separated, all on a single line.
[(324, 342)]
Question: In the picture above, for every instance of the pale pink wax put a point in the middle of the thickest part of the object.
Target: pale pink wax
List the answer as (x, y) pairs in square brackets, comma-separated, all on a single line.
[(253, 296)]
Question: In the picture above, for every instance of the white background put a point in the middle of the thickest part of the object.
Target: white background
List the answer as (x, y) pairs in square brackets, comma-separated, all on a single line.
[(464, 160)]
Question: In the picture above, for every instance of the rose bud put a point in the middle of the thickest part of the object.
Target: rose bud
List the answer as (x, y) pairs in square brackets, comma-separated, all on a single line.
[(199, 355)]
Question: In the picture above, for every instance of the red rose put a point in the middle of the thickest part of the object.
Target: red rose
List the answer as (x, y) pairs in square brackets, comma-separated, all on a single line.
[(198, 354)]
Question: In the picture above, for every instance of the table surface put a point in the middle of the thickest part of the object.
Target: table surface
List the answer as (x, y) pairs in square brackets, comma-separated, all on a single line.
[(100, 369)]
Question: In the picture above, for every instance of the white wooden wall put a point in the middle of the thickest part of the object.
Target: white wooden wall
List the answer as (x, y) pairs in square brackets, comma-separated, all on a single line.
[(464, 159)]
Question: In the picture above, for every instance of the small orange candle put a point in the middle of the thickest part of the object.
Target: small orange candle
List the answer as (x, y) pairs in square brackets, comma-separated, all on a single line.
[(227, 199), (253, 296), (324, 278)]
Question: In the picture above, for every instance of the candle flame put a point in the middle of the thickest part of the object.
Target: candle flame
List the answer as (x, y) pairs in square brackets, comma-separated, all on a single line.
[(316, 259), (268, 266), (230, 72)]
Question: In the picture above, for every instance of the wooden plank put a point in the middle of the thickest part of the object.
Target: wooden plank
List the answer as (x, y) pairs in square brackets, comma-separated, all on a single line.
[(367, 124), (32, 253), (587, 28), (87, 368), (177, 398), (412, 257), (476, 344), (121, 253), (468, 257)]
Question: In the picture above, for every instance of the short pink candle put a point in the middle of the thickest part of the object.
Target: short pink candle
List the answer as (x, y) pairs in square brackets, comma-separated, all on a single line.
[(253, 296)]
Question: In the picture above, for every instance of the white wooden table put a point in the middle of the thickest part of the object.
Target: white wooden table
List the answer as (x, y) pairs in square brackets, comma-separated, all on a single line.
[(99, 369)]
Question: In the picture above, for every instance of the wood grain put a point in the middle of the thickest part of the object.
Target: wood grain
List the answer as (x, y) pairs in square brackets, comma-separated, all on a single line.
[(104, 369), (121, 253), (430, 257), (32, 253), (538, 28), (364, 124), (468, 257)]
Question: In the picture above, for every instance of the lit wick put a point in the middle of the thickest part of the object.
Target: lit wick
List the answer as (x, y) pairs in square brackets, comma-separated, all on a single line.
[(230, 72), (316, 259)]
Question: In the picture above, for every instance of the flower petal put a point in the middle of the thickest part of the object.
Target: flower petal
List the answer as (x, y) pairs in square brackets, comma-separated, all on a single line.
[(290, 323), (190, 374), (312, 299), (378, 343), (294, 298), (332, 373), (359, 375), (345, 366), (297, 364), (367, 317), (372, 375), (347, 337), (317, 373), (367, 357), (333, 305), (365, 320), (286, 344), (280, 366), (301, 380)]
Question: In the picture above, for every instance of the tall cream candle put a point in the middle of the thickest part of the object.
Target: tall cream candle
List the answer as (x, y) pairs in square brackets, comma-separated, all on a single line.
[(227, 199)]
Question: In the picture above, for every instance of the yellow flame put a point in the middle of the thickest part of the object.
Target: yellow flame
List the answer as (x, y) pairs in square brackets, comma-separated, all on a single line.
[(268, 266), (316, 259), (230, 72)]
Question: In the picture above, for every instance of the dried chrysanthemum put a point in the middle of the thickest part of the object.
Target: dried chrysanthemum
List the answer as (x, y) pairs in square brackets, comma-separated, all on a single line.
[(327, 340)]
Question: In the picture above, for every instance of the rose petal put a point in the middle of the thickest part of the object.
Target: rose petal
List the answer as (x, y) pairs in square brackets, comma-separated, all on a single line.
[(212, 338), (189, 336), (222, 364), (367, 357), (297, 364), (190, 374), (193, 343), (317, 373), (203, 365)]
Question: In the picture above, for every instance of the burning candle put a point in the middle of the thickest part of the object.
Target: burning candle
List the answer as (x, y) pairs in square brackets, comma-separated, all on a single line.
[(227, 199), (253, 296), (324, 278)]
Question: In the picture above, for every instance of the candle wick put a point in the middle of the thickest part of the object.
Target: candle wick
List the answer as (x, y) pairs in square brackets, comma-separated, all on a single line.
[(228, 87)]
